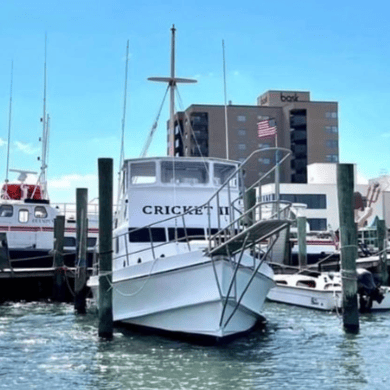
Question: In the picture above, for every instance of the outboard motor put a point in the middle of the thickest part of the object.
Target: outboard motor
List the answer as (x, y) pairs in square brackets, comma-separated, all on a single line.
[(368, 290)]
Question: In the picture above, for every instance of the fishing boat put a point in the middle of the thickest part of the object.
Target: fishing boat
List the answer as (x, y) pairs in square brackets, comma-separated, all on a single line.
[(187, 256), (27, 216)]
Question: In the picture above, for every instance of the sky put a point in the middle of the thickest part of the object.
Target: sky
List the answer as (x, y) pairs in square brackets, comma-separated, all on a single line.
[(337, 50)]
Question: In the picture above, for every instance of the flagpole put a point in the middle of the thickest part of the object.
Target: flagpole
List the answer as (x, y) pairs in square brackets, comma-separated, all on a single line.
[(277, 175)]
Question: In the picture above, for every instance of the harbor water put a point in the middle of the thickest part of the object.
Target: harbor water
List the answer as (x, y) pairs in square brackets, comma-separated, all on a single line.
[(48, 346)]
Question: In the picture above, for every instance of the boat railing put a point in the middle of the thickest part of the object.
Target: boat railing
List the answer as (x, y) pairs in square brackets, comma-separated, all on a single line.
[(69, 210), (229, 205)]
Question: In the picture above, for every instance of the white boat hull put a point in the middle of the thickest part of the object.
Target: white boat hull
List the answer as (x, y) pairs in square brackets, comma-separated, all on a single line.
[(186, 298), (319, 299), (306, 297)]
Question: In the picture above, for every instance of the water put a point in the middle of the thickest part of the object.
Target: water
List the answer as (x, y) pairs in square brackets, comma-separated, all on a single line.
[(46, 346)]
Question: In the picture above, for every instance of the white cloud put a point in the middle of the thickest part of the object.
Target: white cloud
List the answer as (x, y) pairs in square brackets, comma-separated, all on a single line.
[(386, 135), (26, 148), (360, 179), (236, 73), (73, 181), (2, 142)]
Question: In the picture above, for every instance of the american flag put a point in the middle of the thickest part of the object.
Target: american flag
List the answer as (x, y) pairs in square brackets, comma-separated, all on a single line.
[(266, 128)]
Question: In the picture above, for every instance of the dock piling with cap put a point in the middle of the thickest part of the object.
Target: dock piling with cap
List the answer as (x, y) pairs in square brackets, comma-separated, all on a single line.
[(80, 281), (59, 287), (105, 247), (348, 246)]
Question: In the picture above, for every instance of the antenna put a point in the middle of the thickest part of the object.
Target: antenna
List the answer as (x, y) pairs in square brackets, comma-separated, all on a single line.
[(172, 81), (9, 124), (224, 89), (122, 154)]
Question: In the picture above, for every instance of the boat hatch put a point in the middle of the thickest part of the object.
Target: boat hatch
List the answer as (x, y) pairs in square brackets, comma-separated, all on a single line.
[(186, 172)]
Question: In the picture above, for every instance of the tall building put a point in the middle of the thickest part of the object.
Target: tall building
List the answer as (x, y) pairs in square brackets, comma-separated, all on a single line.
[(308, 128)]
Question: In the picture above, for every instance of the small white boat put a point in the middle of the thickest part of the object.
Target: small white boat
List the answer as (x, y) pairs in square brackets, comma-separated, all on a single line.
[(323, 291)]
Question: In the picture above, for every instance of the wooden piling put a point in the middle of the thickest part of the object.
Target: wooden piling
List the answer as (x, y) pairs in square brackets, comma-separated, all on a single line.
[(81, 250), (249, 202), (59, 283), (348, 246), (302, 248), (105, 247), (4, 253), (382, 245)]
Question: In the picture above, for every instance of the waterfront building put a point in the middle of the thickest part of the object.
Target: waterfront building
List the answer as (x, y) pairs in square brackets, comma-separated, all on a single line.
[(309, 128), (319, 194)]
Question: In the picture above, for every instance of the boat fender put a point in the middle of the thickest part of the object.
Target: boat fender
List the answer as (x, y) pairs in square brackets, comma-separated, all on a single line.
[(139, 260)]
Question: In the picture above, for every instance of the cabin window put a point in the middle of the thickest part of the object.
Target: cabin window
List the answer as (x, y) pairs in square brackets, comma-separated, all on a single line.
[(180, 234), (6, 210), (147, 235), (23, 215), (40, 212), (69, 241), (143, 173), (91, 242), (184, 172), (222, 172)]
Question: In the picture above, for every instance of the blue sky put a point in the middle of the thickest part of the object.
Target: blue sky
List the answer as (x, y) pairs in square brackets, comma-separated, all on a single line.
[(337, 50)]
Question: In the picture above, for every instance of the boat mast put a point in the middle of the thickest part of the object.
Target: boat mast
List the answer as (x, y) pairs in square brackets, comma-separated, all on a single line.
[(224, 90), (172, 85), (42, 176), (172, 82), (9, 128)]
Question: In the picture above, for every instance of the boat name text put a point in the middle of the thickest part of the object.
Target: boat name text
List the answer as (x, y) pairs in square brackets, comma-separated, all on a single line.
[(176, 210)]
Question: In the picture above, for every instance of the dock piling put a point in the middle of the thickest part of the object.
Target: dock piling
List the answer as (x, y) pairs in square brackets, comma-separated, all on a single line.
[(4, 253), (348, 246), (59, 276), (302, 248), (105, 247), (81, 250), (382, 241)]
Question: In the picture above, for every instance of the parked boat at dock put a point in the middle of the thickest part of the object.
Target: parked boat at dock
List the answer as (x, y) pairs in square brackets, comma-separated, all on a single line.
[(187, 254), (323, 290)]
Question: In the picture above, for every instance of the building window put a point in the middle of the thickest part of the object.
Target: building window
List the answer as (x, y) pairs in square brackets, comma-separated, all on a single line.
[(317, 223), (262, 117), (23, 215), (241, 118), (331, 114), (331, 129), (331, 143), (313, 201), (265, 161), (241, 132), (332, 158), (177, 143), (264, 145), (241, 147)]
